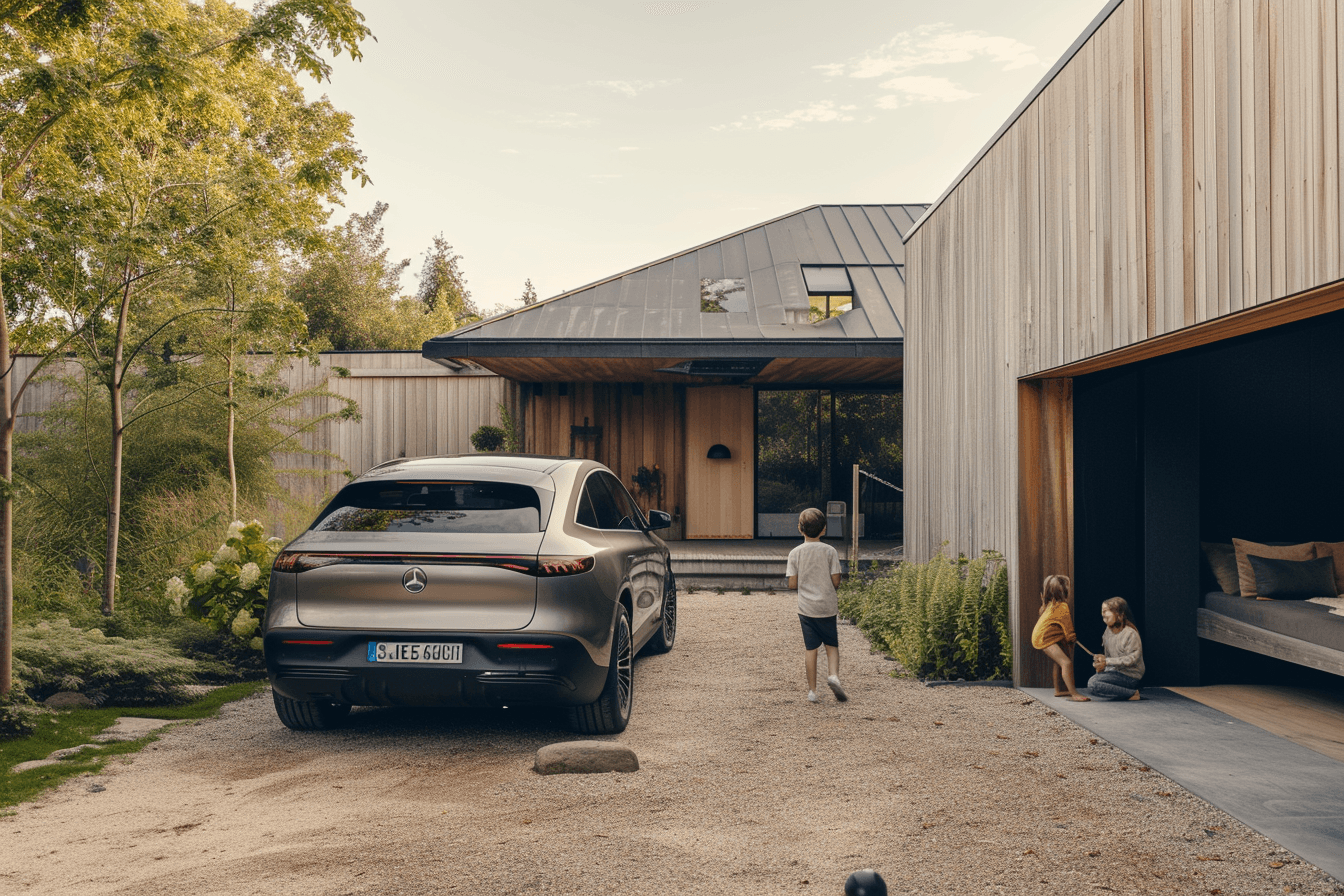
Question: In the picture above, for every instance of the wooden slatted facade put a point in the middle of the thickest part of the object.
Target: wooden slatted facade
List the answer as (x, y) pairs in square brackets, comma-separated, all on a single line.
[(642, 425), (1174, 181)]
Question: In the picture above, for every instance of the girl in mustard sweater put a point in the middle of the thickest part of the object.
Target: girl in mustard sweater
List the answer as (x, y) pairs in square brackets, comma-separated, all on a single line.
[(1054, 634)]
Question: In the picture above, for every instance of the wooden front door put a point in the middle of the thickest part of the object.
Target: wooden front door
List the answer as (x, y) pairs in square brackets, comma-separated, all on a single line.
[(720, 493)]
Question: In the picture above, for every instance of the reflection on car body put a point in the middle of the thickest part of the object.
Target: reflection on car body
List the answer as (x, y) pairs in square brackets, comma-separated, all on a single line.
[(476, 580)]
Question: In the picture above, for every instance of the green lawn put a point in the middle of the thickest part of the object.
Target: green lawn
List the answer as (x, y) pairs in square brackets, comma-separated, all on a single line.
[(70, 728)]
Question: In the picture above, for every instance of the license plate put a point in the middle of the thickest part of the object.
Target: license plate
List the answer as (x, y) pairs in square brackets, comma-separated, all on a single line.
[(403, 652)]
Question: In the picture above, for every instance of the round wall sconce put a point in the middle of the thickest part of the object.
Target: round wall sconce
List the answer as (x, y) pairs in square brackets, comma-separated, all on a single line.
[(719, 452)]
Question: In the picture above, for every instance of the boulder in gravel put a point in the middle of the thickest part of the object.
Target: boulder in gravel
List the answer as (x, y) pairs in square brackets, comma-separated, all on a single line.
[(68, 700), (585, 757)]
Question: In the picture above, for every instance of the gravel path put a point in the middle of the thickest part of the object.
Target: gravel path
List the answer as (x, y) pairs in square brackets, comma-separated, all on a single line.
[(745, 788)]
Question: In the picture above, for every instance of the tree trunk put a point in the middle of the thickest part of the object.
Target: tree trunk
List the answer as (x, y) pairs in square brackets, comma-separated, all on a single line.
[(233, 471), (114, 386), (6, 503)]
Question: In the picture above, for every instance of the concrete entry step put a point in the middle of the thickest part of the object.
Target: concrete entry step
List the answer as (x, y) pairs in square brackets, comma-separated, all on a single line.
[(760, 563)]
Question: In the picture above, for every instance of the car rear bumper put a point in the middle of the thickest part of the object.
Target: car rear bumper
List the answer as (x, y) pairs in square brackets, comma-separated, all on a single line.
[(561, 674)]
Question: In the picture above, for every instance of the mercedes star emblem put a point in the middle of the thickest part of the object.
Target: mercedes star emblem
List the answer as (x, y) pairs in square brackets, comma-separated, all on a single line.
[(414, 580)]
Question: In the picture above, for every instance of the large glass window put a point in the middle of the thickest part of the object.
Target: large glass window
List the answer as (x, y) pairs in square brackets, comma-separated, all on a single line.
[(807, 441)]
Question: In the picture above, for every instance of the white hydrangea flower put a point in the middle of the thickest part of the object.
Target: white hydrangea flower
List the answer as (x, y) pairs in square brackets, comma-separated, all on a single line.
[(255, 643), (175, 591), (226, 554), (274, 543), (204, 573), (248, 575), (244, 624), (235, 529)]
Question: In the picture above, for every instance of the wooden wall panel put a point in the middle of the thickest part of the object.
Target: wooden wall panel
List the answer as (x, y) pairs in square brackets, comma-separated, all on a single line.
[(641, 427), (1181, 168), (720, 494)]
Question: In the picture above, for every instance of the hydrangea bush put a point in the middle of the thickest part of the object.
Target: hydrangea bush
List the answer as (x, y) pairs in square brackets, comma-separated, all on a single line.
[(227, 590)]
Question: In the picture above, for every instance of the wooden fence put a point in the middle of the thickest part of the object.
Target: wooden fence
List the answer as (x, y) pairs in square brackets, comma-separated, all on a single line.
[(409, 407)]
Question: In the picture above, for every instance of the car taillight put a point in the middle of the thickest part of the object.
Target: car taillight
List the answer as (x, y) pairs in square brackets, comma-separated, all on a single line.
[(295, 561), (563, 566)]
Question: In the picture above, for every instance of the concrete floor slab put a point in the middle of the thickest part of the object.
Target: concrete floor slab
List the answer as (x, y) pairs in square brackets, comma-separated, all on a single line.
[(1292, 795)]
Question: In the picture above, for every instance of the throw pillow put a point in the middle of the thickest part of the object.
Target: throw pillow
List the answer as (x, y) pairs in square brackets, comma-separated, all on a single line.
[(1335, 552), (1222, 560), (1246, 575), (1292, 579)]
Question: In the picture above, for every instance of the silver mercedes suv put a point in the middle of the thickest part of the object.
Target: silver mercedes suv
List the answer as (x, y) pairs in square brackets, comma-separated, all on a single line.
[(475, 580)]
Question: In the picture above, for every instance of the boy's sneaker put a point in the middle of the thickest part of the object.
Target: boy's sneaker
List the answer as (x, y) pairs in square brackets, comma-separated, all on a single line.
[(836, 689), (812, 697)]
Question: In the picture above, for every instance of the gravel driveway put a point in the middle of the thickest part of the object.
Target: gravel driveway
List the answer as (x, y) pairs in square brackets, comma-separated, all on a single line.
[(745, 789)]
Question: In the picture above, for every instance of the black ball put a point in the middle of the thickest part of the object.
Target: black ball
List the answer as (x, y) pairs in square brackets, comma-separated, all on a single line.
[(865, 883)]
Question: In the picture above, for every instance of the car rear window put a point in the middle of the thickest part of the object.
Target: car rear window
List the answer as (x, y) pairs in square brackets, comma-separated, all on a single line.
[(433, 507)]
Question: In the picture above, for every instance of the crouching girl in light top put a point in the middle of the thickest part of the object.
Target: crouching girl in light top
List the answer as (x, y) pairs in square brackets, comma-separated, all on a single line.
[(1119, 671)]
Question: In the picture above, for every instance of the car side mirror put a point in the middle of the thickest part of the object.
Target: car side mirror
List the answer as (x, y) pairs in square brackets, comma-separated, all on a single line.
[(659, 520)]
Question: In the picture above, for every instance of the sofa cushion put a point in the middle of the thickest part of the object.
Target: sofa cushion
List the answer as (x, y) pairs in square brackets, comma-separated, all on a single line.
[(1293, 579), (1335, 552), (1246, 575), (1222, 559)]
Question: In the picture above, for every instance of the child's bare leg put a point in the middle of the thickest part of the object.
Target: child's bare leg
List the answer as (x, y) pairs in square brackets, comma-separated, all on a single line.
[(832, 660), (812, 670), (1065, 666), (1054, 675)]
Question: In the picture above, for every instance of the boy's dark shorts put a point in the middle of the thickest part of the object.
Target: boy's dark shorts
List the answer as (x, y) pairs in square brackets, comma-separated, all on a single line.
[(818, 630)]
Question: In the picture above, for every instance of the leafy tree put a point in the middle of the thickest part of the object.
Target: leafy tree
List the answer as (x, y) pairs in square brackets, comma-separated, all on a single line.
[(442, 284), (117, 113), (348, 287), (529, 293), (346, 283)]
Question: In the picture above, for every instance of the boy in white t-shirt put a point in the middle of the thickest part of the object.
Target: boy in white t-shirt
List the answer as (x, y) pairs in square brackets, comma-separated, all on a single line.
[(814, 569)]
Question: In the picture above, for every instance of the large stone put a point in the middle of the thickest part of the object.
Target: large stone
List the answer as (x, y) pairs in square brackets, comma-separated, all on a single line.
[(68, 700), (585, 757)]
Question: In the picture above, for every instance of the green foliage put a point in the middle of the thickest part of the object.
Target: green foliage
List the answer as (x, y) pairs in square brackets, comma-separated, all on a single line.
[(513, 432), (227, 589), (19, 715), (53, 656), (348, 286), (944, 619), (489, 438)]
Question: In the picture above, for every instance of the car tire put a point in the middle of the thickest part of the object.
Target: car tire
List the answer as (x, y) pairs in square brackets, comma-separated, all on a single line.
[(307, 715), (610, 712), (666, 636)]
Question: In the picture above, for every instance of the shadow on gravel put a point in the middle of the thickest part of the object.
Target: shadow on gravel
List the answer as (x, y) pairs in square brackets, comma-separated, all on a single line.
[(502, 733)]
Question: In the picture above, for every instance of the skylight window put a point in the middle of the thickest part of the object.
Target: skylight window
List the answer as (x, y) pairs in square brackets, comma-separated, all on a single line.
[(829, 292), (723, 295)]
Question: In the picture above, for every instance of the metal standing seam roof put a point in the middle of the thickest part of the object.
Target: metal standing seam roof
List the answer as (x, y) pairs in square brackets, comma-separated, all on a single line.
[(655, 308)]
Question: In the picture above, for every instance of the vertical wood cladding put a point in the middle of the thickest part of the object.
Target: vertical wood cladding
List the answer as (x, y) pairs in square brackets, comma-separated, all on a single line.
[(1182, 166), (643, 424)]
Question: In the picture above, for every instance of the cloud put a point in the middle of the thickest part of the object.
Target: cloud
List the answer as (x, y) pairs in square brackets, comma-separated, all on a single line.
[(627, 148), (822, 110), (912, 89), (512, 152), (605, 176), (633, 88), (934, 45), (670, 9), (560, 120)]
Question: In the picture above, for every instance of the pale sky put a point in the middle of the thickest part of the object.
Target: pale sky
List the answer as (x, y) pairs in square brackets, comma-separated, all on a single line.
[(566, 141)]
